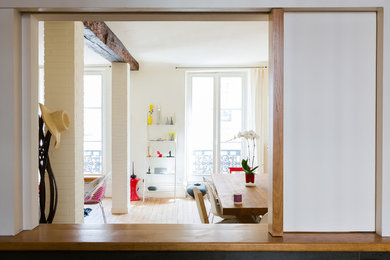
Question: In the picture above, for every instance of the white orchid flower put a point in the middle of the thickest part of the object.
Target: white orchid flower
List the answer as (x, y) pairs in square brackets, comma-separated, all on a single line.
[(250, 138), (252, 134), (245, 134)]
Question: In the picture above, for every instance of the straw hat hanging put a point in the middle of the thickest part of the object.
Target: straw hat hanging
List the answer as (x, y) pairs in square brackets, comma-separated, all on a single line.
[(56, 122)]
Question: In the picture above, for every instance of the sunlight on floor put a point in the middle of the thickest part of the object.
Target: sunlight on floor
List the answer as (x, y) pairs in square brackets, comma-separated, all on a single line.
[(152, 211)]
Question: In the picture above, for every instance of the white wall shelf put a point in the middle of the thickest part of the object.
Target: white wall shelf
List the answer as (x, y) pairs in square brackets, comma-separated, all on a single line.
[(162, 141), (158, 141), (161, 174), (160, 125), (160, 158)]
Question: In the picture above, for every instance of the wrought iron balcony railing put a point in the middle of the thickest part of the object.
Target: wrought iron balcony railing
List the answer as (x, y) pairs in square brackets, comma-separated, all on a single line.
[(93, 161), (203, 161)]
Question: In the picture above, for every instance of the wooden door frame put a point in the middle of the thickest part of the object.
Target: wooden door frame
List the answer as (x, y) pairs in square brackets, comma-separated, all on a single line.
[(275, 229), (276, 106), (276, 87), (276, 70)]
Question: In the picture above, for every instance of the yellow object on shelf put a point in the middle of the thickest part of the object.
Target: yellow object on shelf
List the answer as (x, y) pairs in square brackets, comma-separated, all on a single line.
[(171, 136), (150, 112)]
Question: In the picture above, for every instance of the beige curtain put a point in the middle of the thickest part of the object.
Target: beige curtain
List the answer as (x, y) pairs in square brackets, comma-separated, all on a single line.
[(259, 107)]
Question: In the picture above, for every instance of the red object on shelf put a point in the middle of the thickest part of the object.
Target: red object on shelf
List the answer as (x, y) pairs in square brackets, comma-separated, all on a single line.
[(159, 154), (133, 189), (235, 169)]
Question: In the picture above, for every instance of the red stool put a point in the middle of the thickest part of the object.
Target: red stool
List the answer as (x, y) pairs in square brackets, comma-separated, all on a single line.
[(133, 189)]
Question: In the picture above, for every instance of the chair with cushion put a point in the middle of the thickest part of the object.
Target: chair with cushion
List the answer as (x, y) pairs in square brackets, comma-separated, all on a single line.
[(215, 207), (96, 196), (264, 219), (210, 182), (201, 206)]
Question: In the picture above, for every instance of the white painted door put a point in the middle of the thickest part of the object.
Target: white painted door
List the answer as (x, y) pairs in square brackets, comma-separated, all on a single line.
[(329, 124)]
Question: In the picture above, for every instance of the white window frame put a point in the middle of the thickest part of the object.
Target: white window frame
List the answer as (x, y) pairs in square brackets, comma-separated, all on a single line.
[(217, 75), (105, 73)]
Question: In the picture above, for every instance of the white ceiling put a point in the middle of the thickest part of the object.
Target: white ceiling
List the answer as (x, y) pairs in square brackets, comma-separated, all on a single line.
[(188, 43), (195, 43), (92, 58)]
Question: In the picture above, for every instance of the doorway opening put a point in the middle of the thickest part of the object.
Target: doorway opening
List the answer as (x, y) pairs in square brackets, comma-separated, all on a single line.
[(234, 72)]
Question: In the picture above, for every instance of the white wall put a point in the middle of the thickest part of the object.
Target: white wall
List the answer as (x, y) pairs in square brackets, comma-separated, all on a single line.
[(30, 124), (329, 125), (156, 84), (148, 5), (383, 194), (10, 130)]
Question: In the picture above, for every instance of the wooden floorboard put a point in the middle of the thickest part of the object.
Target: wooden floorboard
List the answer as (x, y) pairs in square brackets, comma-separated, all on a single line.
[(185, 237), (151, 211)]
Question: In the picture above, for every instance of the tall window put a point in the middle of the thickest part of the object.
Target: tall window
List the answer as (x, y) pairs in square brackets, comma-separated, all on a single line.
[(215, 114), (93, 123)]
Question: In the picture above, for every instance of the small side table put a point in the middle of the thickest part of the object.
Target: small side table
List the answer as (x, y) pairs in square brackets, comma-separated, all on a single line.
[(133, 189)]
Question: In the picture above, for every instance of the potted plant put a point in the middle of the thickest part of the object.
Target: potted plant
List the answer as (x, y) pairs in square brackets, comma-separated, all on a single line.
[(248, 163), (249, 173)]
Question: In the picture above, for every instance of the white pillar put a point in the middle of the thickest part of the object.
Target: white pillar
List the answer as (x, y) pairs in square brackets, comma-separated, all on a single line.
[(120, 138), (11, 218), (64, 70)]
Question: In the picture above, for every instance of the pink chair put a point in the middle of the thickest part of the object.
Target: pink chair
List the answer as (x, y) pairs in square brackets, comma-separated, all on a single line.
[(97, 196)]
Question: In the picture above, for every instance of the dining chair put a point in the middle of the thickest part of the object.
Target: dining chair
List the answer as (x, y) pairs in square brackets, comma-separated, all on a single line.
[(96, 197), (215, 207), (201, 206), (264, 219), (209, 181)]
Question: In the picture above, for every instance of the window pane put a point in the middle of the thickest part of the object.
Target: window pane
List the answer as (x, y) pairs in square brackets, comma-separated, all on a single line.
[(231, 92), (93, 128), (41, 90), (92, 124), (93, 145), (230, 122), (92, 90), (201, 126)]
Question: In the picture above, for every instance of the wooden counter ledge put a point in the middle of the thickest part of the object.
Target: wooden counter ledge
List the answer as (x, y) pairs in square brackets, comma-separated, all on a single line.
[(171, 237)]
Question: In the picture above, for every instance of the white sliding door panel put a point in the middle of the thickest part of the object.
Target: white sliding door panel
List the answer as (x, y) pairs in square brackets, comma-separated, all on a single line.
[(329, 123)]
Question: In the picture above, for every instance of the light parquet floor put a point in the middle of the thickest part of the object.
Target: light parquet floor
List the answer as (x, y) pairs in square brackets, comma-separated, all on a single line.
[(152, 211)]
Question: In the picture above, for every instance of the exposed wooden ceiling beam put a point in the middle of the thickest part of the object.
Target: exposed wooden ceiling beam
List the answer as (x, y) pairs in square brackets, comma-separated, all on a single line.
[(103, 41)]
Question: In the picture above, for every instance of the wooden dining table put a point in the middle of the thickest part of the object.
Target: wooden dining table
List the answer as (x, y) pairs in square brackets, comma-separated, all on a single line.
[(254, 199)]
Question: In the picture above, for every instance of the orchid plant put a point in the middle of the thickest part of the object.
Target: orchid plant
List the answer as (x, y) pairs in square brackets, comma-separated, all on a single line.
[(248, 164)]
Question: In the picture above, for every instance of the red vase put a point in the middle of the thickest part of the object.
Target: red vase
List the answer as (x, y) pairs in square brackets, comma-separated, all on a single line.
[(133, 189), (250, 178)]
